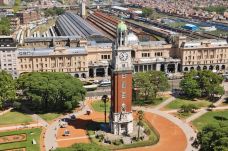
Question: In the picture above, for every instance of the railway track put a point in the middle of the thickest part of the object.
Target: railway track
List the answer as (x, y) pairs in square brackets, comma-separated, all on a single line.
[(108, 24)]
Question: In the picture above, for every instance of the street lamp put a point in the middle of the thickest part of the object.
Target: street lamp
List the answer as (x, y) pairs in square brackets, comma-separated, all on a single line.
[(105, 99)]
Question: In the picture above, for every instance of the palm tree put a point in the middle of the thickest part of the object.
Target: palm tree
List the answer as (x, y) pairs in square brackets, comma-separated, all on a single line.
[(140, 116)]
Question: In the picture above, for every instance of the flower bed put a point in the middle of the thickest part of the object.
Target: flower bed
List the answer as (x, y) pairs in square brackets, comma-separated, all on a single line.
[(16, 149), (13, 138)]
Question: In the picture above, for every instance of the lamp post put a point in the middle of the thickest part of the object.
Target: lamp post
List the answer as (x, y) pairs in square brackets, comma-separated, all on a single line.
[(172, 78), (105, 99)]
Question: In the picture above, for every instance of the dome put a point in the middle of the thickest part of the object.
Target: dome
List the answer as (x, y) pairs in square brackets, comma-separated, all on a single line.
[(132, 38), (122, 26)]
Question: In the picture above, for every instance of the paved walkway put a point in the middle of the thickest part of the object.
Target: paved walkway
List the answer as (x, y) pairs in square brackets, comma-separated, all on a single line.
[(17, 127), (204, 110), (51, 132), (166, 102), (38, 119), (4, 112)]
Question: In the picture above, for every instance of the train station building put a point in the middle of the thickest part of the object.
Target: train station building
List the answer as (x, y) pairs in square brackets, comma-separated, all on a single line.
[(84, 51)]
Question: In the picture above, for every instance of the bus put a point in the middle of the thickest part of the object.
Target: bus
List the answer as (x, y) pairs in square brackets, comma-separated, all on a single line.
[(92, 87)]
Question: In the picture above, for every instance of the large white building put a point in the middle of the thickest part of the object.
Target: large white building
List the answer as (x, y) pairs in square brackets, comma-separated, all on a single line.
[(8, 55)]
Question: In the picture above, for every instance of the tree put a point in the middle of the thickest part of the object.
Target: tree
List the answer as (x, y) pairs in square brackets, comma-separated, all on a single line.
[(146, 12), (148, 84), (202, 83), (4, 26), (7, 88), (190, 86), (189, 108), (54, 11), (51, 91), (213, 138)]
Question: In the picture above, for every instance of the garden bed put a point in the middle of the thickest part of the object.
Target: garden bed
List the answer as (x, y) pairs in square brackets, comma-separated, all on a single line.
[(15, 149), (13, 138), (153, 138), (31, 134)]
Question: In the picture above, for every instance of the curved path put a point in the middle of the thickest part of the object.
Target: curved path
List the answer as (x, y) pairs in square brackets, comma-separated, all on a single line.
[(184, 127), (174, 133), (172, 138)]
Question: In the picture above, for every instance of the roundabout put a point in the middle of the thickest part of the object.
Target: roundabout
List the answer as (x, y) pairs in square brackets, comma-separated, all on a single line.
[(172, 137)]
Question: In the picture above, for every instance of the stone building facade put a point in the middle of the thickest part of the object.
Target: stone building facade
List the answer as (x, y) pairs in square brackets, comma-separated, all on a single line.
[(211, 54), (179, 56), (59, 59)]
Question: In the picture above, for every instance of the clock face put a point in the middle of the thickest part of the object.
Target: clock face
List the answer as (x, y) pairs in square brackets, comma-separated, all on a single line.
[(123, 56)]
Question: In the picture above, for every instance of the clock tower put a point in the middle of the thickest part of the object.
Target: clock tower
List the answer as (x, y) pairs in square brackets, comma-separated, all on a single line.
[(121, 119)]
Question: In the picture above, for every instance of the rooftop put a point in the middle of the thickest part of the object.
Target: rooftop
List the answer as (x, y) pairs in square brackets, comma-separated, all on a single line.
[(36, 39), (70, 24)]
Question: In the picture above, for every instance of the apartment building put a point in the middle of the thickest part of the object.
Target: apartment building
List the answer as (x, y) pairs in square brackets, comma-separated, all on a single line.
[(8, 55), (28, 16), (207, 54)]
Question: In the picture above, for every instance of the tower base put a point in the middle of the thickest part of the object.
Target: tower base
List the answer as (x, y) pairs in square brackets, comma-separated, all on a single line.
[(121, 123)]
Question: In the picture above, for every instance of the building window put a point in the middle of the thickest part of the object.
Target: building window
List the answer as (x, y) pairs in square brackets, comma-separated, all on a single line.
[(123, 95), (105, 56), (123, 65), (123, 75), (144, 55), (123, 84)]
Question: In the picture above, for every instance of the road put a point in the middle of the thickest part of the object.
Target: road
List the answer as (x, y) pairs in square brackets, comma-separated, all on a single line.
[(107, 90), (99, 92)]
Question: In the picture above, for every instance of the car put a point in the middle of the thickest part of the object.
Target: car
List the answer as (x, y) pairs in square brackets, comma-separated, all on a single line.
[(73, 117), (105, 83)]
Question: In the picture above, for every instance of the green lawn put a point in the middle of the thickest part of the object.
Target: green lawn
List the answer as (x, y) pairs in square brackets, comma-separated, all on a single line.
[(16, 6), (14, 117), (151, 103), (31, 134), (99, 106), (49, 116), (176, 104), (212, 118)]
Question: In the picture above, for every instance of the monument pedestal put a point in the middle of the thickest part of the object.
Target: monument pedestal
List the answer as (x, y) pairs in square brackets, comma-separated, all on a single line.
[(122, 123)]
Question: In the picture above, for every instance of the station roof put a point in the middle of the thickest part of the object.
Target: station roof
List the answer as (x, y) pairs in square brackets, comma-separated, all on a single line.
[(70, 24), (58, 38)]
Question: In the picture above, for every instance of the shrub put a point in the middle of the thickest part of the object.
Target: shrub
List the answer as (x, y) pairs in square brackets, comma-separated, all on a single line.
[(147, 131), (16, 105), (118, 142)]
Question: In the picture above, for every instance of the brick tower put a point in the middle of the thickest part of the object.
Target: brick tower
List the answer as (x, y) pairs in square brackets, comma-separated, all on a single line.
[(121, 119)]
